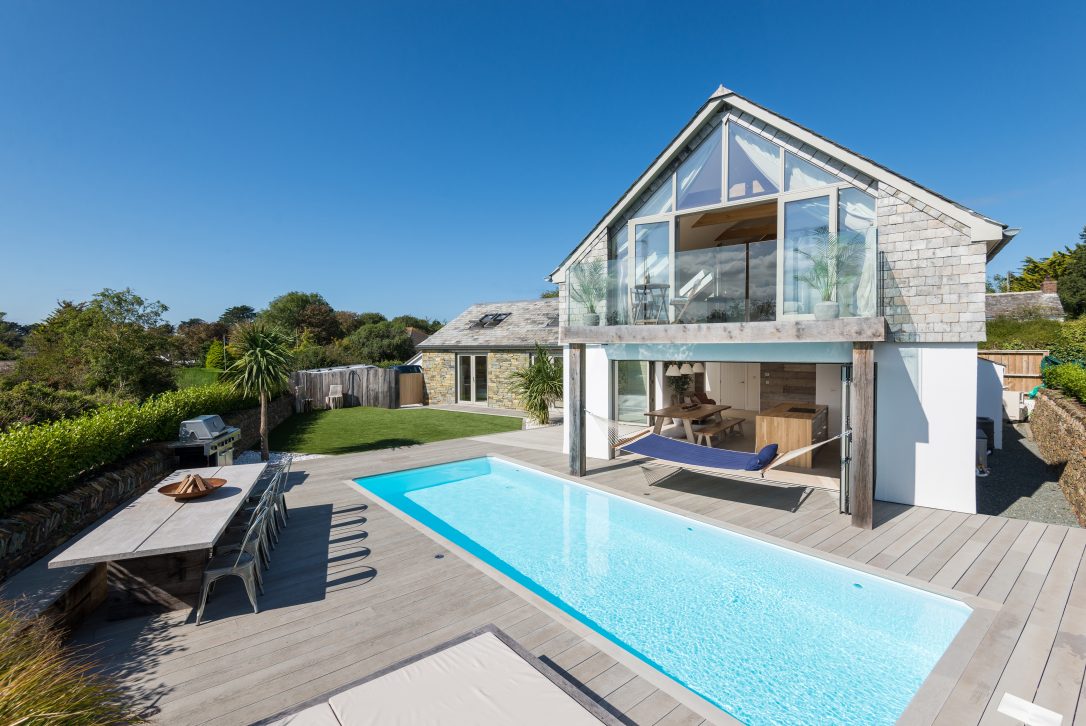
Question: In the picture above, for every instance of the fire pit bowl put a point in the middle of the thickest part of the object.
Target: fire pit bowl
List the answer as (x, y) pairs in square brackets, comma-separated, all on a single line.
[(170, 490)]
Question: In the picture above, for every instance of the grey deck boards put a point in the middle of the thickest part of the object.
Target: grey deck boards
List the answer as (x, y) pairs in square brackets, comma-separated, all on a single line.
[(353, 588)]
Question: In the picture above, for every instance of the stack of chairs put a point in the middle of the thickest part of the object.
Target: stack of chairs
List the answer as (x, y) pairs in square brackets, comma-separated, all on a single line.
[(245, 548)]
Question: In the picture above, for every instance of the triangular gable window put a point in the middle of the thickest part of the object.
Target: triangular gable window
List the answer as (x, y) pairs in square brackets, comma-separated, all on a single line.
[(658, 203), (699, 176), (800, 174), (754, 165)]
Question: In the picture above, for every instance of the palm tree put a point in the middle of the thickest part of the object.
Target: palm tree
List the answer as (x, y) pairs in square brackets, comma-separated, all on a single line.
[(262, 370), (539, 386)]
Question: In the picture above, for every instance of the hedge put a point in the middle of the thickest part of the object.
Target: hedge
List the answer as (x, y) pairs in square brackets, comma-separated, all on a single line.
[(1067, 377), (48, 459)]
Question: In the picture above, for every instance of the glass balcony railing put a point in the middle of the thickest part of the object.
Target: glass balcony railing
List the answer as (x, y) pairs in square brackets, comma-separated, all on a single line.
[(732, 284)]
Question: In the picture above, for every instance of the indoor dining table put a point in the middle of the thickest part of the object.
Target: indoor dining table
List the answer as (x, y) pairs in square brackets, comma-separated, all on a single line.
[(687, 416)]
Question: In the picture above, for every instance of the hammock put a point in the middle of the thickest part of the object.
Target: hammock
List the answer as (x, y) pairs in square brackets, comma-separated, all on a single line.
[(695, 456)]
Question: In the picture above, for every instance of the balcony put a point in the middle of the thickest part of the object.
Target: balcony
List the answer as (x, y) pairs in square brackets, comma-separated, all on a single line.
[(827, 290)]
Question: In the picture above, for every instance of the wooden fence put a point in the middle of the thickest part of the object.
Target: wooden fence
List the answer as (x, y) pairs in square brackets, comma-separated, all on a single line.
[(412, 391), (362, 386), (1022, 368)]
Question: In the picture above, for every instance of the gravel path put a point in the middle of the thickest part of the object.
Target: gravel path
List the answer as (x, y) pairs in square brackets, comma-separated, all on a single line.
[(1021, 485)]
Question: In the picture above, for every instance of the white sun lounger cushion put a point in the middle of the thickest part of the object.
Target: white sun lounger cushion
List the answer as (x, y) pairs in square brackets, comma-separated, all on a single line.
[(479, 681)]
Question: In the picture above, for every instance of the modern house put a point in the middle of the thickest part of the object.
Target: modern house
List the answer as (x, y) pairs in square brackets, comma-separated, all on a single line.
[(793, 278), (1044, 303), (472, 358)]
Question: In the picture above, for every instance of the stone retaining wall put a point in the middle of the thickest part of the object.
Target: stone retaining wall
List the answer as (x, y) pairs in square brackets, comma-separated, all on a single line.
[(30, 532), (1059, 428)]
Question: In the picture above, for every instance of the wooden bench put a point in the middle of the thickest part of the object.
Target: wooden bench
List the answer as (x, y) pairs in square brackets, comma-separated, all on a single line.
[(65, 596), (705, 434)]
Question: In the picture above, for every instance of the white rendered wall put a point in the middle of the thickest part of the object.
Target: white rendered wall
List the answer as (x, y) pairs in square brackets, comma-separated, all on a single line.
[(926, 424), (990, 396), (597, 402)]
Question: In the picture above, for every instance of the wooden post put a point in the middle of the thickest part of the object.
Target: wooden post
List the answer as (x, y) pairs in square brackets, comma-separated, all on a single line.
[(862, 469), (575, 416)]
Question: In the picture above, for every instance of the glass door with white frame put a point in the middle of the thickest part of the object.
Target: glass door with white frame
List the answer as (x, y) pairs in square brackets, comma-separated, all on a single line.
[(651, 283), (471, 378), (805, 249)]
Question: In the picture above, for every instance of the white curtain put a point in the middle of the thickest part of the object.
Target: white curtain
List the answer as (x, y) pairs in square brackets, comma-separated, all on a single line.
[(800, 174)]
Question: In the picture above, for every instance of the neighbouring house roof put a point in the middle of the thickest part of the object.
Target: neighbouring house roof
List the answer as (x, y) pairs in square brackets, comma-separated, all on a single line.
[(417, 336), (528, 322), (995, 234), (1020, 305)]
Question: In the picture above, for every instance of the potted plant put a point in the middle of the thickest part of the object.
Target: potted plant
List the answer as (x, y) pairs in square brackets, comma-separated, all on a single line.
[(834, 262), (589, 288)]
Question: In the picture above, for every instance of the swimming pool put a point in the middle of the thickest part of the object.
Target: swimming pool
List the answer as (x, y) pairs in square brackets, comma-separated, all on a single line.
[(768, 634)]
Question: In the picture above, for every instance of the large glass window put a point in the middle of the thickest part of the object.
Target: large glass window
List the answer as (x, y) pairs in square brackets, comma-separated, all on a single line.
[(632, 395), (858, 288), (762, 280), (807, 255), (699, 176), (651, 285), (619, 277), (800, 174), (658, 203), (754, 165)]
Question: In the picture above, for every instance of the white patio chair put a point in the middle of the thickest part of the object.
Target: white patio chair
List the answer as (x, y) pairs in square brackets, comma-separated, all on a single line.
[(334, 399)]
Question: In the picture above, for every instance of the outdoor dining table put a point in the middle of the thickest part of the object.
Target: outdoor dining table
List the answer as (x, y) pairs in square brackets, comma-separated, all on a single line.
[(687, 416), (156, 545)]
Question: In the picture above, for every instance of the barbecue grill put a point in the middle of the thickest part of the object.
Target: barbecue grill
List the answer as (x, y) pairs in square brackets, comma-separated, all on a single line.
[(206, 441)]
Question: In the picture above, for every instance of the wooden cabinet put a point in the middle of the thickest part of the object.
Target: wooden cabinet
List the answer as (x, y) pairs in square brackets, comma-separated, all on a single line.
[(793, 426)]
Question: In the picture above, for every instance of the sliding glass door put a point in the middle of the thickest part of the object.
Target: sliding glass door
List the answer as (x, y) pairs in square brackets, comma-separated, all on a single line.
[(633, 390)]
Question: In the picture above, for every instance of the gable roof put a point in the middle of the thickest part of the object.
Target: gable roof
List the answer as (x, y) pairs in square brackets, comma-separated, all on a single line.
[(1034, 303), (529, 322), (983, 229)]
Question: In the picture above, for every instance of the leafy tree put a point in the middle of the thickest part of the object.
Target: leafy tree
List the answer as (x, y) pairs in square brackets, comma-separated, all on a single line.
[(237, 314), (34, 403), (539, 385), (195, 336), (997, 283), (348, 322), (546, 294), (263, 368), (1034, 272), (286, 311), (371, 318), (11, 334), (216, 356), (308, 354), (319, 320), (410, 321), (117, 343), (1072, 287), (376, 343)]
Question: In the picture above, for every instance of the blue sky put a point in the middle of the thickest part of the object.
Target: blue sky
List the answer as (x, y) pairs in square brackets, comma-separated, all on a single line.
[(417, 157)]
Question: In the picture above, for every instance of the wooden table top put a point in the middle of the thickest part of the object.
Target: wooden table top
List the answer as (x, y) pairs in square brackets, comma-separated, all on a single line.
[(702, 411), (155, 524), (783, 410)]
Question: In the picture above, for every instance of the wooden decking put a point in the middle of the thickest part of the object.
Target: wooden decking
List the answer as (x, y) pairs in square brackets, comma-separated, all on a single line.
[(354, 588)]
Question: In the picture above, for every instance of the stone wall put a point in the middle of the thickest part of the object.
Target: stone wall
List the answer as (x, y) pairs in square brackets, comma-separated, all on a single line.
[(932, 276), (439, 377), (249, 422), (499, 387), (1059, 428), (30, 532)]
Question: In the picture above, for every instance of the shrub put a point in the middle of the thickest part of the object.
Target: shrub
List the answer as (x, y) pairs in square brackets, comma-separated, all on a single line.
[(44, 460), (33, 403), (1022, 334), (1067, 377), (1071, 343), (43, 682), (539, 386)]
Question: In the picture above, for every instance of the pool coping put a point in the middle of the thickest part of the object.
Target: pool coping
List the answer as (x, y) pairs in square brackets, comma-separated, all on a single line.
[(922, 708)]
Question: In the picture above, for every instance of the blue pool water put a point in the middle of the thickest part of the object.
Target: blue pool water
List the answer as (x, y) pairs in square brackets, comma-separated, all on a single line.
[(770, 635)]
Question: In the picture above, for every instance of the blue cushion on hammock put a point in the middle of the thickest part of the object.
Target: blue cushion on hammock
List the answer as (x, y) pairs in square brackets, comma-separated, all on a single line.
[(764, 458)]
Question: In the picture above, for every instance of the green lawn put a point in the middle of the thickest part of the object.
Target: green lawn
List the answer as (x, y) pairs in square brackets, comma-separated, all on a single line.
[(344, 430), (193, 377)]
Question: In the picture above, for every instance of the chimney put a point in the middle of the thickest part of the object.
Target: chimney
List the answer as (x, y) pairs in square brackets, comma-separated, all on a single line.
[(1049, 285)]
